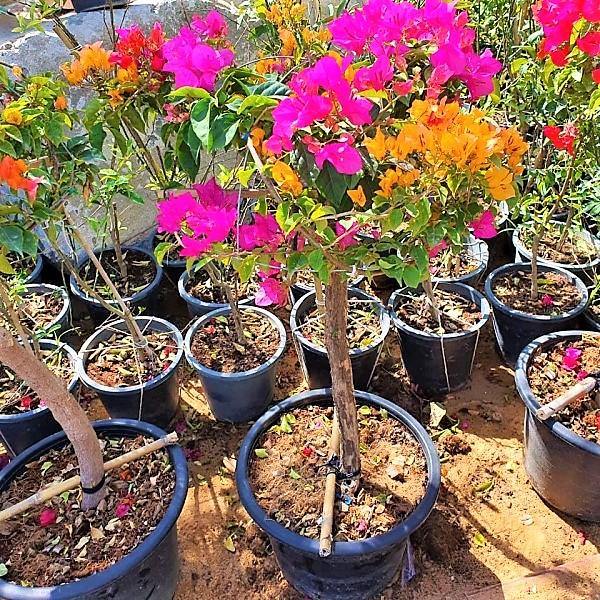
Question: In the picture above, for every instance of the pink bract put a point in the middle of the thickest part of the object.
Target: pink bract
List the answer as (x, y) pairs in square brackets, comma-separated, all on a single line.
[(483, 227), (271, 291), (571, 358), (264, 232)]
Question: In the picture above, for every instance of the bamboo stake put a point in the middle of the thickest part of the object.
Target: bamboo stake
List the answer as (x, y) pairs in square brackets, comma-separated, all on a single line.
[(585, 386), (45, 494), (326, 537)]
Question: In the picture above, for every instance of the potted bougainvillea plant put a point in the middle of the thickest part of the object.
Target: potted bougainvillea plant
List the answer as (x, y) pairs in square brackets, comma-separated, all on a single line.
[(333, 123), (71, 484)]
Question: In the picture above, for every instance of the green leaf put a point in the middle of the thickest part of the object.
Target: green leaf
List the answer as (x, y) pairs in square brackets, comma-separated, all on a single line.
[(54, 131), (222, 131), (11, 238), (30, 243), (316, 259), (5, 266), (200, 120), (294, 474), (332, 185), (254, 103), (411, 276), (272, 89), (189, 92), (97, 136), (261, 452), (3, 570), (228, 543), (162, 250), (479, 540), (7, 148)]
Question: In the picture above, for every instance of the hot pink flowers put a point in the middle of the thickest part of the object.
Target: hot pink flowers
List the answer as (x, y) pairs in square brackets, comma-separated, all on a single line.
[(197, 54), (387, 30), (264, 232), (483, 227), (571, 358)]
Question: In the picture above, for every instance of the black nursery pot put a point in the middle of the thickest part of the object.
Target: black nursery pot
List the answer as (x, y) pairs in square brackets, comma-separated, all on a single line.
[(425, 354), (563, 467), (314, 360), (19, 432), (478, 249), (515, 329), (590, 321), (354, 570), (144, 299), (156, 401), (586, 271), (63, 319), (237, 397), (197, 307), (151, 570), (36, 274)]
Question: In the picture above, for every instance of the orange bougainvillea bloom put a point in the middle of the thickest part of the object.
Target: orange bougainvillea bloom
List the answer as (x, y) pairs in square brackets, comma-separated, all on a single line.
[(285, 177), (93, 59), (376, 145), (358, 196), (61, 103), (12, 115), (12, 174), (394, 178), (288, 42), (116, 97), (500, 183)]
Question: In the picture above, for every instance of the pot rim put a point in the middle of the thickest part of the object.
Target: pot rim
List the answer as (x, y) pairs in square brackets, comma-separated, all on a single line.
[(205, 371), (35, 274), (120, 569), (32, 288), (384, 321), (498, 305), (138, 296), (150, 384), (189, 299), (310, 546), (449, 286), (480, 251), (521, 249), (530, 399), (72, 354)]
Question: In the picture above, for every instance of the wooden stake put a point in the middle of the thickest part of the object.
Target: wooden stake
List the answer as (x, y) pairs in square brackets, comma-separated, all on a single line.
[(56, 489), (585, 386), (326, 537)]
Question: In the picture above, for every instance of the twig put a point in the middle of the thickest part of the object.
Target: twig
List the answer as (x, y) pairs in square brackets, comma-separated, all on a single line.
[(45, 494), (326, 537), (585, 386)]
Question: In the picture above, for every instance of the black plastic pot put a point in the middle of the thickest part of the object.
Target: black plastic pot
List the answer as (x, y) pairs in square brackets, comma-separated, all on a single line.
[(237, 397), (500, 247), (297, 290), (479, 251), (19, 432), (515, 329), (355, 570), (586, 272), (590, 321), (563, 467), (63, 319), (440, 364), (197, 307), (155, 401), (151, 570), (144, 299), (314, 360), (36, 274)]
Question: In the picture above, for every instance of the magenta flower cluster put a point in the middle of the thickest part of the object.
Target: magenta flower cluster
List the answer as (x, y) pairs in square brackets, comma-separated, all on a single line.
[(198, 53)]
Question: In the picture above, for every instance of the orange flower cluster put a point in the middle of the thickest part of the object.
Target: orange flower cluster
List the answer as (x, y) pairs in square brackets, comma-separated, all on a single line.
[(12, 173), (441, 139), (93, 59)]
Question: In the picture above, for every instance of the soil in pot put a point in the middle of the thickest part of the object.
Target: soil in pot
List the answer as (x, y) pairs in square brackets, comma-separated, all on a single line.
[(364, 325), (554, 370), (557, 294), (16, 397), (287, 474), (457, 314), (39, 309), (116, 363), (58, 542), (141, 272), (576, 250), (451, 266), (22, 265), (200, 286), (215, 345)]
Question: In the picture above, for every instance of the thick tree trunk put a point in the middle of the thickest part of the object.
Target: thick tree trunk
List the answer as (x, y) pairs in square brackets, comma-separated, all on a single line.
[(336, 342), (64, 408)]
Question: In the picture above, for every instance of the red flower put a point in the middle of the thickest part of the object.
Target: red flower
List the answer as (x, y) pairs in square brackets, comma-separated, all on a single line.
[(596, 75), (598, 421), (26, 402), (307, 451), (47, 517), (559, 57), (590, 43), (563, 138)]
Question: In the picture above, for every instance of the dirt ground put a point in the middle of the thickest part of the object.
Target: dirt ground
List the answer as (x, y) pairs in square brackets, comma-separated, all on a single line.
[(476, 545)]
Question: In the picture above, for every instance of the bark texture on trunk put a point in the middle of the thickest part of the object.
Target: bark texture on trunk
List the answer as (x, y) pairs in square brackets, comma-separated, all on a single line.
[(336, 342), (64, 408)]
